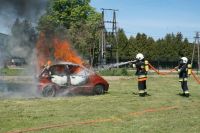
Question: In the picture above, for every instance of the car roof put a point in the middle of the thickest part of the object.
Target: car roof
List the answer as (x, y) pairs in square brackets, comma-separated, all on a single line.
[(64, 63)]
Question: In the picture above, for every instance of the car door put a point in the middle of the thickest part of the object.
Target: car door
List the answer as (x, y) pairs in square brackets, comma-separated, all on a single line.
[(78, 76)]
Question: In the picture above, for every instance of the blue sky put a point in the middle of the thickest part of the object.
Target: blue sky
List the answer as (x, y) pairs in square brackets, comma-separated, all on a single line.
[(155, 18)]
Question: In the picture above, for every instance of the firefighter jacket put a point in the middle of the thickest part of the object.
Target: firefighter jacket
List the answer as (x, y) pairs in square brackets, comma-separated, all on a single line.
[(142, 68), (184, 70)]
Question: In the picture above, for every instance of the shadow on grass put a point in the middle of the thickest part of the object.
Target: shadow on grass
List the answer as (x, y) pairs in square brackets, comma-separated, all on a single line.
[(183, 95), (136, 93)]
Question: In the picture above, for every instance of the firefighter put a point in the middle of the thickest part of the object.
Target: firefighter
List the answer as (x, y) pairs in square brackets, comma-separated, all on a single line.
[(184, 69), (142, 69)]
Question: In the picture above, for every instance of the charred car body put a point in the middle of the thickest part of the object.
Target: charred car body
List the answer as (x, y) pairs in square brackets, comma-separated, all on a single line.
[(68, 78)]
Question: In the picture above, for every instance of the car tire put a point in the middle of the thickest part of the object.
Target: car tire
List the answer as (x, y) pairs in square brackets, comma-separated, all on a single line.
[(49, 91), (99, 89)]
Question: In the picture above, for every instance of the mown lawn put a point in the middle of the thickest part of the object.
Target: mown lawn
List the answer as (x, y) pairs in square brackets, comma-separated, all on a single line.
[(119, 111)]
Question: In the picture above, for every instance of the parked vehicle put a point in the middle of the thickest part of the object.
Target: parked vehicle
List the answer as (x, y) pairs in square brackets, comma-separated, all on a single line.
[(16, 61)]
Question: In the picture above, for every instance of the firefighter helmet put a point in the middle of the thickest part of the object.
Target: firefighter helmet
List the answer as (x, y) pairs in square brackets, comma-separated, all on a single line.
[(184, 60), (140, 56)]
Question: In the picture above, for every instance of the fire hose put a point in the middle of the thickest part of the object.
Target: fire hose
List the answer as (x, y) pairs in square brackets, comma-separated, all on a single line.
[(195, 77), (172, 70), (161, 73), (153, 68)]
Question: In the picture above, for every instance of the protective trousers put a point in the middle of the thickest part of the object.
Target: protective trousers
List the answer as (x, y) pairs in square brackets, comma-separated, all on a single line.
[(142, 85), (184, 86)]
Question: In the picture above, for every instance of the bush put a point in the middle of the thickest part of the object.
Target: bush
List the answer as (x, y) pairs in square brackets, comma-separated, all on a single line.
[(124, 72)]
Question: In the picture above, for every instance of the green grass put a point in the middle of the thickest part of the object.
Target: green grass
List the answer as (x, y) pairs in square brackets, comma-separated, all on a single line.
[(10, 72), (116, 72), (115, 107), (126, 72)]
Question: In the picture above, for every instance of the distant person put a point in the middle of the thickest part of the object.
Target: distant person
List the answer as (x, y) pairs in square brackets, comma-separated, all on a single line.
[(184, 68), (142, 69)]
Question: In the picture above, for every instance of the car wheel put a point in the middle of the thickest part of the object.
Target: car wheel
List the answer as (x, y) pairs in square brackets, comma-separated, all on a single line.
[(98, 89), (49, 91)]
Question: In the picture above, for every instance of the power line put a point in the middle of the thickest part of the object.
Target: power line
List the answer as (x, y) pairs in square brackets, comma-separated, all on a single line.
[(102, 57), (196, 46)]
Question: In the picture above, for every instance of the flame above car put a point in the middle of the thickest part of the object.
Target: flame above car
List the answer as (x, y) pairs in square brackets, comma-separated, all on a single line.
[(55, 49)]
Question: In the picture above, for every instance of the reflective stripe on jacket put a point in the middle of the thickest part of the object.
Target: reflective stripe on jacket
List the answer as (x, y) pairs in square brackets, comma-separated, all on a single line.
[(182, 79)]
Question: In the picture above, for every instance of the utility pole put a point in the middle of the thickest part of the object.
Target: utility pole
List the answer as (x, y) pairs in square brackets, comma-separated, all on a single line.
[(116, 36), (105, 32), (103, 41), (196, 46)]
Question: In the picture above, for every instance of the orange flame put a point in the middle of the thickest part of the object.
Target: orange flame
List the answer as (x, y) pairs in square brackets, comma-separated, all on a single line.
[(55, 50), (64, 52), (43, 53)]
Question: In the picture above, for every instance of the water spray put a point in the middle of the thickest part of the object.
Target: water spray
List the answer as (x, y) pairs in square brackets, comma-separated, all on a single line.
[(118, 64)]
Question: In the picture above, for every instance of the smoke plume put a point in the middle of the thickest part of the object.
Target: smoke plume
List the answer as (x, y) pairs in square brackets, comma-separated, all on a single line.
[(10, 10), (24, 9)]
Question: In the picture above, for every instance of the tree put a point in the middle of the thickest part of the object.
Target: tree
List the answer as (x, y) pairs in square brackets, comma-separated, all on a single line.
[(122, 44), (79, 21), (23, 39)]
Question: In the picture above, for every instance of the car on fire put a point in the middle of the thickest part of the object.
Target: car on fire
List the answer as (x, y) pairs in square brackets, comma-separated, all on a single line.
[(66, 78)]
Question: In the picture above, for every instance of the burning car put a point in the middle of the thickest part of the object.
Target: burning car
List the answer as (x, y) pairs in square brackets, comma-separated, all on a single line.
[(69, 78)]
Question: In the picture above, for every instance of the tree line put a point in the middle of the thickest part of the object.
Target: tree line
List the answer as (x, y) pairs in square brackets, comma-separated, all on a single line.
[(79, 22), (170, 48)]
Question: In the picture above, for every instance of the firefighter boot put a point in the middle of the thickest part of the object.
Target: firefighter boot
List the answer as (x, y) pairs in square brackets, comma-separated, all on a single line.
[(141, 93), (187, 94)]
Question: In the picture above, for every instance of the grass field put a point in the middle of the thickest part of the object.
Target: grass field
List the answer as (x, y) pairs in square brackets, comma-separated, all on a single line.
[(118, 111)]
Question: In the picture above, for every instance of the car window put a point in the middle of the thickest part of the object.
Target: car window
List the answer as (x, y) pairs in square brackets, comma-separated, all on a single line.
[(77, 70), (59, 70)]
